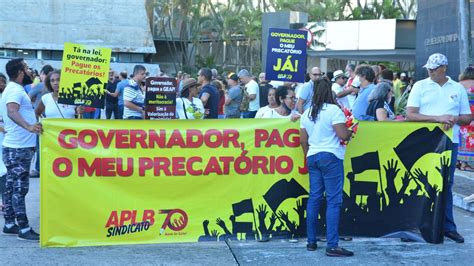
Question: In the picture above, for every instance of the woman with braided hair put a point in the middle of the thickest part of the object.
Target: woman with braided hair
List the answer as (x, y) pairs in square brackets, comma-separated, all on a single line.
[(322, 128)]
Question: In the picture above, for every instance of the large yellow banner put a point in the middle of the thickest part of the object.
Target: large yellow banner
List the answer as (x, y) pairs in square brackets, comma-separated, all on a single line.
[(124, 182), (130, 182)]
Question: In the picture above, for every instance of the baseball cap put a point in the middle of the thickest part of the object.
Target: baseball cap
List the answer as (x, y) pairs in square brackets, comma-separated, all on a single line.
[(403, 74), (436, 60), (337, 74), (233, 76)]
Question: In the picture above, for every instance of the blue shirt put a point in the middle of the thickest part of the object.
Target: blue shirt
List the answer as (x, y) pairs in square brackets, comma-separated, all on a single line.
[(120, 87), (213, 101), (362, 101), (306, 93)]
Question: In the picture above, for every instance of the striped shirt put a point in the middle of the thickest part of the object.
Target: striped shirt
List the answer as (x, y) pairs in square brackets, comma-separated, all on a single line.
[(133, 93)]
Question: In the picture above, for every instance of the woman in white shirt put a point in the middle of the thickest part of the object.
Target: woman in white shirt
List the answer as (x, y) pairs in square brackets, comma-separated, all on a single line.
[(271, 103), (188, 106), (49, 105), (286, 102), (322, 127)]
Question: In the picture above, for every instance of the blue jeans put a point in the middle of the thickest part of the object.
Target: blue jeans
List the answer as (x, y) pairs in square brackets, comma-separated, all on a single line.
[(120, 116), (326, 174), (249, 114), (449, 224)]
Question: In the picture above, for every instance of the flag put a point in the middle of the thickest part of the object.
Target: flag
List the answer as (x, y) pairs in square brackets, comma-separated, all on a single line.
[(242, 227), (367, 161), (242, 207), (281, 191), (420, 142)]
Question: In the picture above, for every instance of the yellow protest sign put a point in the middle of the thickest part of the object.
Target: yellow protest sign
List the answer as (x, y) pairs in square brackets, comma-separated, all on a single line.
[(84, 75), (127, 182)]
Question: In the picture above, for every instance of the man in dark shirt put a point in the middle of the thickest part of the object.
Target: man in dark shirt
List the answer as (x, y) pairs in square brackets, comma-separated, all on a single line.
[(209, 94), (111, 103), (264, 87)]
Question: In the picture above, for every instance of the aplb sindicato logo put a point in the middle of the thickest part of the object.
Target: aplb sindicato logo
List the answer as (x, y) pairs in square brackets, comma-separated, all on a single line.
[(176, 220), (131, 221)]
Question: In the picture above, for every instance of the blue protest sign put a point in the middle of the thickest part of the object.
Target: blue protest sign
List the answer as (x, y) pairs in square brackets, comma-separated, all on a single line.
[(286, 55)]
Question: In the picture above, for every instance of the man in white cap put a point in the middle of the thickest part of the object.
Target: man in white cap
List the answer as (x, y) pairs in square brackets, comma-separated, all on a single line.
[(440, 99), (339, 80)]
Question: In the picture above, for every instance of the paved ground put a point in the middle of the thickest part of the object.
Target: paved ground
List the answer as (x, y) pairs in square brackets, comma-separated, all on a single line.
[(369, 251), (463, 187)]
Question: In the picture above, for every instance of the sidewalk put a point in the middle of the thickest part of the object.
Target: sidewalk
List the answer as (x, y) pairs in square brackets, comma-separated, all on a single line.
[(369, 251), (463, 187)]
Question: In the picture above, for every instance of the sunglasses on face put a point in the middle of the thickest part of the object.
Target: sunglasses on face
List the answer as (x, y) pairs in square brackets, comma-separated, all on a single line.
[(433, 69)]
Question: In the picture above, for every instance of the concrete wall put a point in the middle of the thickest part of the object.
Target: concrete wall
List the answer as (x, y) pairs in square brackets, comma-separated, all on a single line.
[(438, 31), (47, 24)]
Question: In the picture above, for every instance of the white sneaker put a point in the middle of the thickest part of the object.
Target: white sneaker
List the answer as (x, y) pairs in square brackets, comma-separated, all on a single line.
[(469, 199)]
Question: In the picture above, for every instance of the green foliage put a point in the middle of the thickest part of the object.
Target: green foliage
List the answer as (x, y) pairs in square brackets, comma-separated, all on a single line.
[(196, 21), (205, 61)]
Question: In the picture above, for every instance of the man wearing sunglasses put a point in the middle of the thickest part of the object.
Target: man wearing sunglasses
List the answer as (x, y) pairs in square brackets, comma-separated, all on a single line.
[(439, 99), (305, 94)]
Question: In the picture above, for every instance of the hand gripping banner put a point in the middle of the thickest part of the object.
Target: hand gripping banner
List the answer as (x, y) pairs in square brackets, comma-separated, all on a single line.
[(128, 182)]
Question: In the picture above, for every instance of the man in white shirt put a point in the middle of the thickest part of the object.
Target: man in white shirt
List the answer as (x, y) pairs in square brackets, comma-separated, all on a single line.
[(305, 94), (442, 100), (339, 80), (18, 148), (251, 86), (350, 84)]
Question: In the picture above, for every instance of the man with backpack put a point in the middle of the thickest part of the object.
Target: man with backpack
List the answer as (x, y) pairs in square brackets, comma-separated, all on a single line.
[(252, 89)]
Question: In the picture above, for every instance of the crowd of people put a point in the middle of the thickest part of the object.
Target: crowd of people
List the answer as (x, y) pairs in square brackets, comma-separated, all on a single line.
[(372, 93)]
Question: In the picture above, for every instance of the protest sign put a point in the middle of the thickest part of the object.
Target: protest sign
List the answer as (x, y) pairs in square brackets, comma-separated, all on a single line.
[(286, 55), (84, 75), (132, 182), (160, 98)]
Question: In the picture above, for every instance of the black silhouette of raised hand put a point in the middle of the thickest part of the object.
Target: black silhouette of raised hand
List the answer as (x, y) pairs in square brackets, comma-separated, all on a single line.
[(391, 170), (432, 191), (262, 212), (290, 225), (299, 208), (222, 225), (405, 180), (444, 167), (283, 215), (422, 177), (273, 219), (205, 225), (214, 233), (301, 228)]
